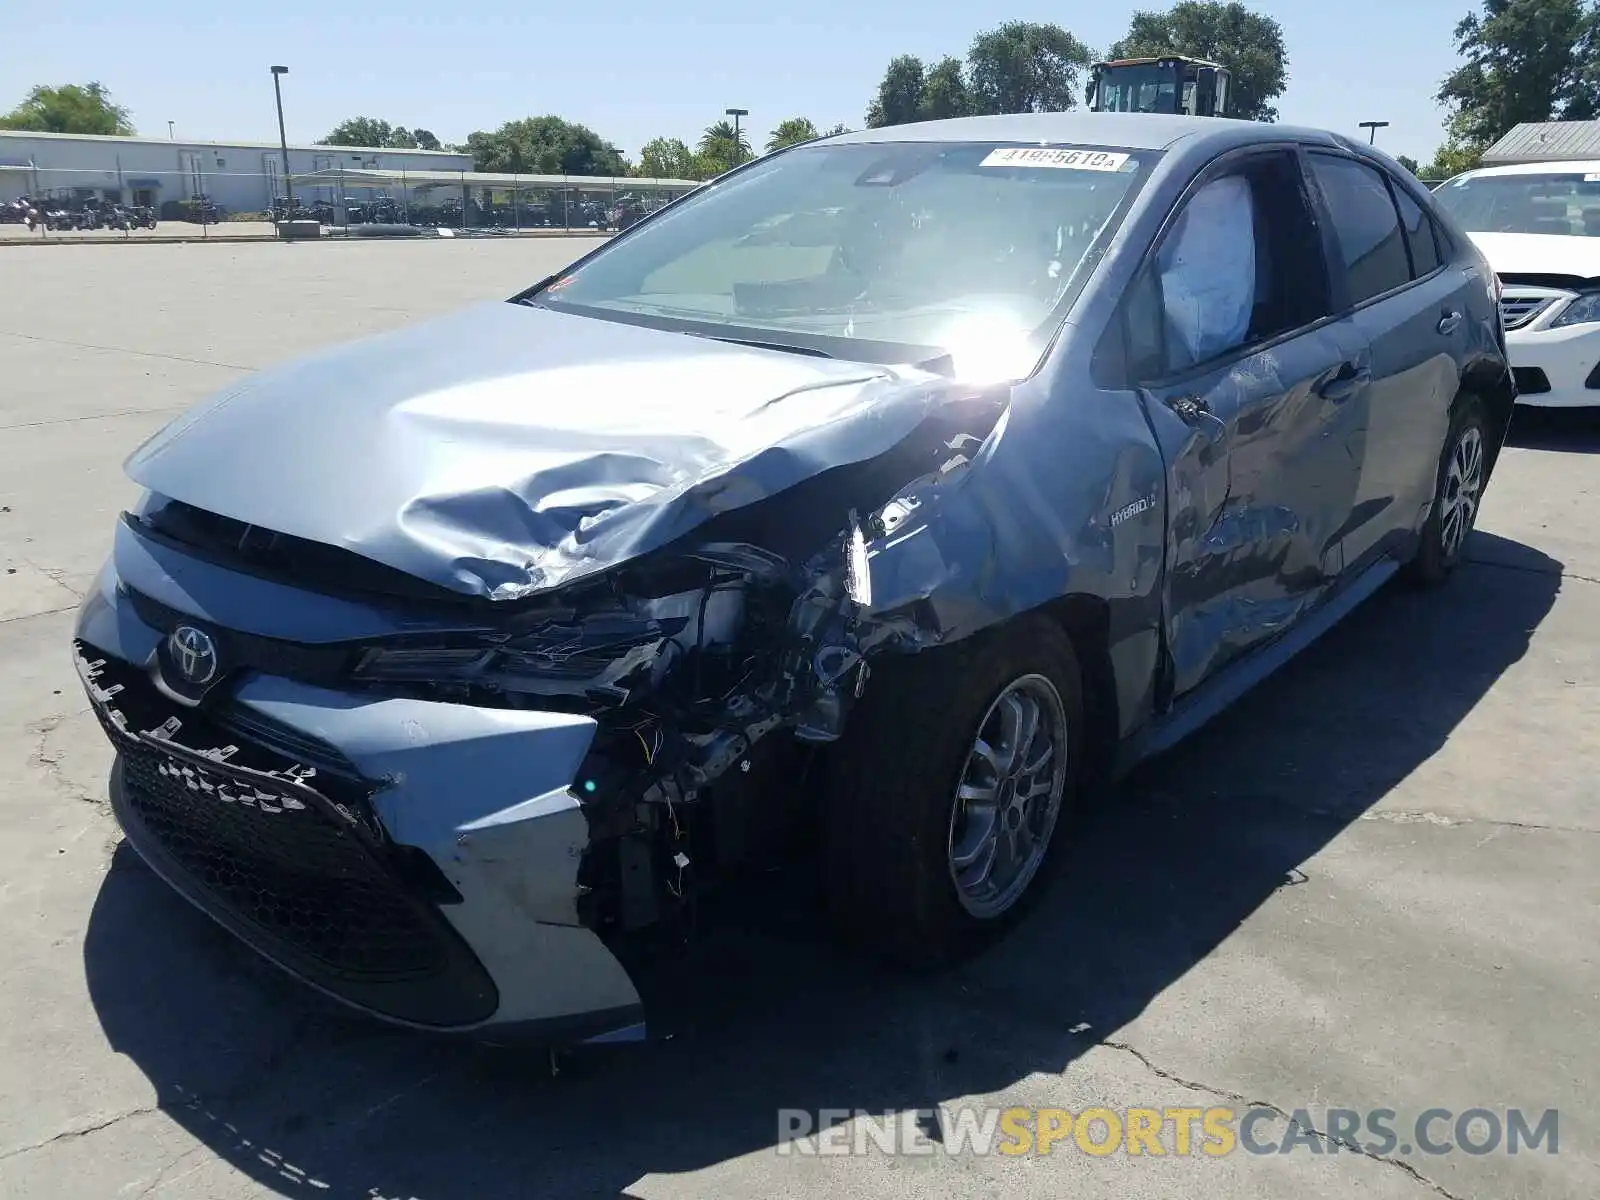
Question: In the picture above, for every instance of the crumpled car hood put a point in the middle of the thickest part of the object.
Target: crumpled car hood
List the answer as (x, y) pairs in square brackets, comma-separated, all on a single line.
[(506, 450)]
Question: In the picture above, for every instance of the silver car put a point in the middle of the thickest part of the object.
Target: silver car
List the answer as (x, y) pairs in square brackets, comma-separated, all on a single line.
[(902, 488)]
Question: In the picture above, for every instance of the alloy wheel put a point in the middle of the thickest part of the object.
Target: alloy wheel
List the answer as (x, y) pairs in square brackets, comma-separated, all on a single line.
[(1461, 491), (1009, 796)]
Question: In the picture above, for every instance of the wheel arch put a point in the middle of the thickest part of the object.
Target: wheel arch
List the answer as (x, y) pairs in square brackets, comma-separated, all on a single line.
[(1086, 620), (1491, 384)]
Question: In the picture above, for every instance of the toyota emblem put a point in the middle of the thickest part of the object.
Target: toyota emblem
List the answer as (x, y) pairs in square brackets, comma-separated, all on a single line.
[(194, 654)]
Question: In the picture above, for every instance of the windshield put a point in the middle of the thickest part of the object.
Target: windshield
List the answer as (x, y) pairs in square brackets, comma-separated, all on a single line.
[(908, 252), (1565, 203), (1147, 89)]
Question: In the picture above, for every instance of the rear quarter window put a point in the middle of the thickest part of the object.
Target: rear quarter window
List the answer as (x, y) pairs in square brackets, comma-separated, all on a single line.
[(1421, 236)]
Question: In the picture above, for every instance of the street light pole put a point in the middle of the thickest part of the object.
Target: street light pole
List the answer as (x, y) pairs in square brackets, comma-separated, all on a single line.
[(171, 136), (736, 113), (283, 143), (1372, 128)]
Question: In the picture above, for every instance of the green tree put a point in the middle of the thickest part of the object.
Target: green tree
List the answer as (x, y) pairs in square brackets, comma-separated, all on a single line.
[(1022, 66), (945, 92), (1525, 60), (544, 146), (371, 132), (722, 148), (667, 158), (1459, 153), (899, 99), (1249, 44), (69, 108), (791, 133), (836, 130), (359, 131), (1409, 163)]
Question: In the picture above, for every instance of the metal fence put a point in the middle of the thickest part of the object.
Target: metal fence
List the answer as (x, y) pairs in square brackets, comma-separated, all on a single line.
[(339, 199)]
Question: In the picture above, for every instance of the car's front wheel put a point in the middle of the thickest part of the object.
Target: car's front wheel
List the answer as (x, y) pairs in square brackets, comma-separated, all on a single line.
[(949, 791), (1458, 491)]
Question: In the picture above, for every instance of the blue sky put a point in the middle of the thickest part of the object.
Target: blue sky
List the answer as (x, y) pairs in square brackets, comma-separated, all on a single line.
[(632, 71)]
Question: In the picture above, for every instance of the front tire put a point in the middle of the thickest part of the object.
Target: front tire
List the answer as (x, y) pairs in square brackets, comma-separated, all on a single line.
[(1458, 491), (950, 790)]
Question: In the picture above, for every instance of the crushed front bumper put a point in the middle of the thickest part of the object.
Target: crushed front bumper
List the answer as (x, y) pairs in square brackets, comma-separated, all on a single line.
[(416, 860)]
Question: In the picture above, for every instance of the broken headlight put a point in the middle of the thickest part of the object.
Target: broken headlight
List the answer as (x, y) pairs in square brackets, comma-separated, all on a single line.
[(599, 649)]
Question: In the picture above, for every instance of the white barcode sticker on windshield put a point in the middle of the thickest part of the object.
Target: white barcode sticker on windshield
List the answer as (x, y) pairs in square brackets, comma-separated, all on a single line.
[(1050, 156), (1592, 177)]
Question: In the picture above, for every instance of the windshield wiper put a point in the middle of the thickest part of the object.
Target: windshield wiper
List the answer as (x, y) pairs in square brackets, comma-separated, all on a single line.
[(759, 344)]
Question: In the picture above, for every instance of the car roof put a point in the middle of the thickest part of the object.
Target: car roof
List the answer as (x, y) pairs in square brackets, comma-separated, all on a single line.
[(1568, 166), (1135, 131)]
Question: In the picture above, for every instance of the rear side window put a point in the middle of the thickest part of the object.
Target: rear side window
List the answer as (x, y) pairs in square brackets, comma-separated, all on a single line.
[(1365, 224), (1420, 234)]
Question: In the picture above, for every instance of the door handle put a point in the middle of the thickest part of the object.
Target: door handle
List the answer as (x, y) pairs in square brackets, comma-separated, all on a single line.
[(1450, 322)]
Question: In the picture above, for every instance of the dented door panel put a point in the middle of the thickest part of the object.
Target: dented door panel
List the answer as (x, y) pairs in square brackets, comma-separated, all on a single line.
[(1262, 470)]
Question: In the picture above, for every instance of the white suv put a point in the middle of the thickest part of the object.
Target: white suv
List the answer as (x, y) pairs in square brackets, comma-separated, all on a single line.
[(1539, 226)]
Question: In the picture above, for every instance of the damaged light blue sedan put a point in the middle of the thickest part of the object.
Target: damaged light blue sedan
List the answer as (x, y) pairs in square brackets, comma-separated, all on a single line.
[(886, 495)]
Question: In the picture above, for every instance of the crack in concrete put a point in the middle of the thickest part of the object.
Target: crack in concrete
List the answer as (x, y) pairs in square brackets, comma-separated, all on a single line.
[(185, 1100), (41, 758), (81, 1131), (198, 362), (1560, 572), (1395, 816), (49, 612), (57, 576), (161, 1179), (105, 416), (1335, 1144)]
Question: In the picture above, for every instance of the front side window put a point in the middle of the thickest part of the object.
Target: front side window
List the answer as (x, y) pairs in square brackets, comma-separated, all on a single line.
[(1563, 203), (1242, 265), (1365, 225), (1207, 267), (874, 252)]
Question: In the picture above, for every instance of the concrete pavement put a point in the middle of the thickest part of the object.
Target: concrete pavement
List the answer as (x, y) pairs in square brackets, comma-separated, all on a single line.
[(1371, 885)]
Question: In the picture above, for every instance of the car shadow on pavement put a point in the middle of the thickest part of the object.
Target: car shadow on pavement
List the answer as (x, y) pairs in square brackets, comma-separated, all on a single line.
[(306, 1100), (1569, 430)]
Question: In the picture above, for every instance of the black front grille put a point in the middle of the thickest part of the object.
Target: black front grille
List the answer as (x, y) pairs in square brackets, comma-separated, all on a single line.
[(300, 872), (282, 865), (1530, 380)]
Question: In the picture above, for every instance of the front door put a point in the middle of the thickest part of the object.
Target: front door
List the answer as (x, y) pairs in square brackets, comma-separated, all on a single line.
[(1251, 402)]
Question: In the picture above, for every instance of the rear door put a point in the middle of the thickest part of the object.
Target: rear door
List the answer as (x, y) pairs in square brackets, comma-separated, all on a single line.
[(1245, 372), (1410, 304)]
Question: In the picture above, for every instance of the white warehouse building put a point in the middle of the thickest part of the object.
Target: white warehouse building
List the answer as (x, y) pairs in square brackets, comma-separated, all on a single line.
[(237, 176)]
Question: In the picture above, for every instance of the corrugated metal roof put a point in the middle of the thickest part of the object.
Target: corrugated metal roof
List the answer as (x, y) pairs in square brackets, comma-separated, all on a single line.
[(192, 144), (372, 177), (1546, 141)]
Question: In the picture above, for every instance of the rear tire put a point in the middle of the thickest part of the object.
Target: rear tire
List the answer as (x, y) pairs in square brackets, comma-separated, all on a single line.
[(936, 756), (1458, 492)]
